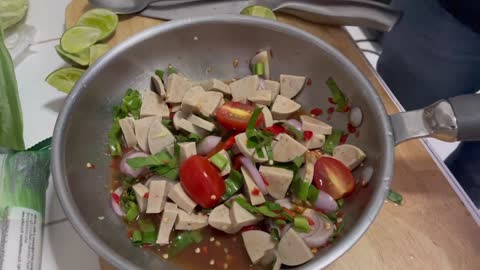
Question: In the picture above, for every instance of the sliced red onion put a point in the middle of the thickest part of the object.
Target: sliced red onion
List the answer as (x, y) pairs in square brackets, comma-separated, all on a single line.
[(356, 116), (116, 206), (252, 170), (126, 169), (366, 175), (325, 202), (296, 124), (321, 230), (208, 144)]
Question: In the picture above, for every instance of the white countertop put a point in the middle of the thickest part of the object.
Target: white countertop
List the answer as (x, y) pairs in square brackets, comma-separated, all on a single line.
[(62, 247)]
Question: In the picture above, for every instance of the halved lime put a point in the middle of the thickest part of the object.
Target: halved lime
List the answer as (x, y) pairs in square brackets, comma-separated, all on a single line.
[(75, 59), (259, 11), (64, 79), (79, 38), (103, 19), (97, 50)]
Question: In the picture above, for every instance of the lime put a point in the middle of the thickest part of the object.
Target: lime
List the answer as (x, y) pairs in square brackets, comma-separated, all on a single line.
[(97, 50), (75, 59), (79, 38), (103, 19), (64, 79), (259, 11)]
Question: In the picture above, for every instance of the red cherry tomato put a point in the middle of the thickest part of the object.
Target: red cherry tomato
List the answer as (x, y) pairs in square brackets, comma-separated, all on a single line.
[(201, 181), (331, 176), (235, 115)]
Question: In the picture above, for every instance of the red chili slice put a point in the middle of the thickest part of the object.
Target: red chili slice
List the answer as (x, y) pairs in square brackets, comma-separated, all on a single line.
[(307, 135), (316, 112)]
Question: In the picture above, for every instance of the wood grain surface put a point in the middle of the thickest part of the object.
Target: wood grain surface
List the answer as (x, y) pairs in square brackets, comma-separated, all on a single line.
[(431, 230)]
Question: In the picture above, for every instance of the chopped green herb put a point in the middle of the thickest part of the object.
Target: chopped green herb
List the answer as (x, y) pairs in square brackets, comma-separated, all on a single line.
[(171, 70), (233, 184), (394, 197), (298, 161), (259, 68), (275, 234), (161, 158), (332, 216), (303, 192), (184, 240), (292, 130), (273, 206), (340, 228), (149, 234), (269, 150), (166, 122), (246, 205), (253, 119), (280, 222), (337, 95), (301, 224), (340, 202), (127, 181), (219, 161), (137, 238), (130, 106), (312, 194), (132, 212), (159, 73), (264, 210), (332, 141), (192, 137)]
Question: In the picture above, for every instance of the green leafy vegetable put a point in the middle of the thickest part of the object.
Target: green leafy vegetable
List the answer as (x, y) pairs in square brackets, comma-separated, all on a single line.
[(159, 73), (332, 141), (183, 240), (340, 202), (149, 234), (192, 137), (273, 206), (11, 125), (312, 194), (264, 210), (394, 197), (280, 222), (130, 106), (337, 95), (298, 161), (301, 224), (246, 205), (275, 234), (233, 184), (137, 238), (161, 163), (295, 132), (259, 68), (171, 70), (303, 192), (128, 204), (258, 139), (132, 212), (219, 161)]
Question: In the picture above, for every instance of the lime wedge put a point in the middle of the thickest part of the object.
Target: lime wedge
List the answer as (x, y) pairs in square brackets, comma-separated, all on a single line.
[(259, 11), (97, 50), (79, 38), (103, 19), (64, 79), (75, 59)]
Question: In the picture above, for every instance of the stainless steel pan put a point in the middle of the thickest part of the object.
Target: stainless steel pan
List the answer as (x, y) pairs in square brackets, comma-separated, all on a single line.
[(81, 130)]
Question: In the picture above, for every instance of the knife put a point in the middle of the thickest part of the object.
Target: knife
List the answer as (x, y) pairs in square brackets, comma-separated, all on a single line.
[(361, 13)]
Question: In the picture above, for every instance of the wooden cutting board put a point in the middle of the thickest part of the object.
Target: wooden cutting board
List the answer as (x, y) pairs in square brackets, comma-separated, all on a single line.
[(431, 230)]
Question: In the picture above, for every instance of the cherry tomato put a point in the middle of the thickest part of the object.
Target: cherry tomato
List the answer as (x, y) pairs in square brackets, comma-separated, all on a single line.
[(235, 115), (331, 176), (201, 181)]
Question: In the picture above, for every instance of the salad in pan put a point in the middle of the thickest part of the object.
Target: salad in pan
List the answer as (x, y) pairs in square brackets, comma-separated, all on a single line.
[(231, 175)]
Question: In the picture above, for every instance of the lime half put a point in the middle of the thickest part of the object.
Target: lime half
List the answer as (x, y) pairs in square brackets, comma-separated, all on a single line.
[(79, 38), (259, 11), (103, 19), (96, 51), (64, 79), (75, 59)]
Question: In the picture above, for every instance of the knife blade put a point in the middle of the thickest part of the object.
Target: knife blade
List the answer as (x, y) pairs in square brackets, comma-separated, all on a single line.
[(365, 13), (203, 8)]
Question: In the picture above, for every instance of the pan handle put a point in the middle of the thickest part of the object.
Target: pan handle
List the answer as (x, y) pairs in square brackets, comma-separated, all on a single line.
[(345, 12), (455, 119)]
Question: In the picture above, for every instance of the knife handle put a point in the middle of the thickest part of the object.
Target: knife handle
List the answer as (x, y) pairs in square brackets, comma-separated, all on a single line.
[(345, 12)]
